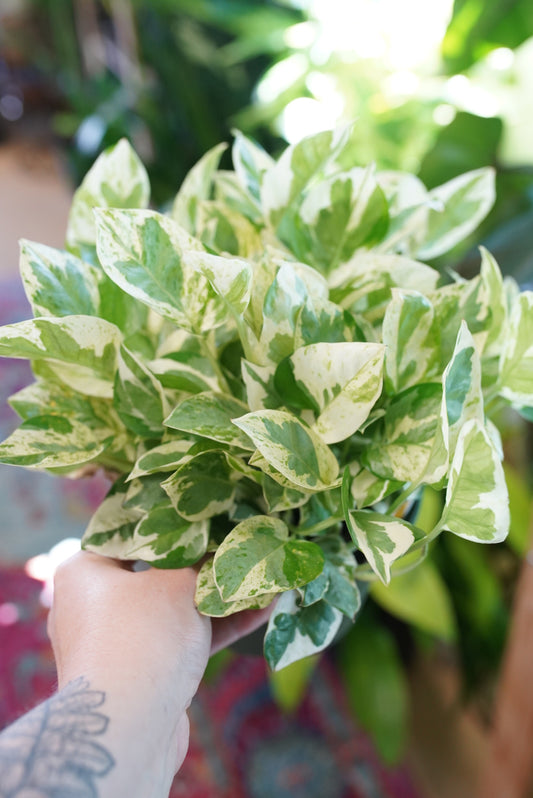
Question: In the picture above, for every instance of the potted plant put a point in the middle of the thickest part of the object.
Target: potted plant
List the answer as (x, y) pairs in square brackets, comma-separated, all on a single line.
[(273, 374)]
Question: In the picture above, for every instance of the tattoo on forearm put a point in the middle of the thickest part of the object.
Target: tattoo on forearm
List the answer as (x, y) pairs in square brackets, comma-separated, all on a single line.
[(50, 752)]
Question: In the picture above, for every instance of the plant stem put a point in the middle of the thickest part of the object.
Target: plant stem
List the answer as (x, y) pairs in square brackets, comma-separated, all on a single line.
[(320, 526), (210, 353), (404, 495)]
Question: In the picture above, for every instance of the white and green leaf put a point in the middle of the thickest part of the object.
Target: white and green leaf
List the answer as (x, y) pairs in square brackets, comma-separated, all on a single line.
[(295, 632), (138, 396), (146, 255), (209, 601), (340, 381), (165, 457), (477, 500), (202, 487), (117, 179), (259, 557), (291, 448), (411, 340), (516, 362), (210, 416), (52, 441), (197, 186), (57, 283), (81, 349), (382, 539), (166, 540), (456, 209)]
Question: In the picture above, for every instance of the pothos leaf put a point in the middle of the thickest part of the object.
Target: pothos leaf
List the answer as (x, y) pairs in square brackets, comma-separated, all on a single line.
[(138, 397), (202, 487), (295, 632), (209, 601), (146, 254), (258, 557), (382, 539), (293, 449), (165, 540), (340, 381), (117, 179), (197, 186), (477, 501), (52, 442), (82, 349), (57, 283), (209, 415)]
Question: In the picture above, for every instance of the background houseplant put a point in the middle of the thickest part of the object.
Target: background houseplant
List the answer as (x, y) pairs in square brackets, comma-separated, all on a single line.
[(272, 374)]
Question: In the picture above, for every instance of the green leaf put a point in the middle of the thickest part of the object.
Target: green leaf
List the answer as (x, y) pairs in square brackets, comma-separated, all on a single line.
[(165, 540), (419, 597), (492, 280), (382, 539), (117, 179), (283, 183), (261, 392), (82, 350), (376, 686), (406, 450), (281, 497), (516, 365), (165, 457), (340, 571), (290, 685), (455, 210), (368, 489), (112, 526), (462, 398), (209, 601), (296, 632), (226, 231), (342, 381), (230, 278), (209, 415), (477, 502), (145, 493), (43, 398), (57, 283), (202, 487), (411, 340), (181, 376), (337, 215), (52, 441), (258, 557), (521, 508), (282, 306), (197, 186), (146, 255), (250, 162), (291, 448), (138, 396)]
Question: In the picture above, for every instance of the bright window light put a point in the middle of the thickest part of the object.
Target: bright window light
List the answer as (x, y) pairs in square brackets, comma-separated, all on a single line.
[(501, 59)]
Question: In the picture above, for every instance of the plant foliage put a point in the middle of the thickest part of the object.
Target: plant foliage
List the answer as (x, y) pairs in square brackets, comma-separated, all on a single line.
[(274, 374)]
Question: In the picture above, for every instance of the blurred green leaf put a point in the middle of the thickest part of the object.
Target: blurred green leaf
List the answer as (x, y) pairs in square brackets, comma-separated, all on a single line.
[(376, 685)]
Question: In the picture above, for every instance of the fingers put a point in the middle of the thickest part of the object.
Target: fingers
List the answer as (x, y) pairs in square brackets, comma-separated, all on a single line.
[(228, 630)]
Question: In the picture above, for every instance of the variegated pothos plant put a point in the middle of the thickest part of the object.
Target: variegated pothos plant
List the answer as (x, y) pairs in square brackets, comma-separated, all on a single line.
[(273, 373)]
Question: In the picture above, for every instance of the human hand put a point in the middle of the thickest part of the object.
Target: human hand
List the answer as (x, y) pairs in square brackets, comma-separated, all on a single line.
[(138, 637)]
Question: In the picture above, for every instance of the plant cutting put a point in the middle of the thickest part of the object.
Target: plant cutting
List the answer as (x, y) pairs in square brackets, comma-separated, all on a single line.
[(273, 375)]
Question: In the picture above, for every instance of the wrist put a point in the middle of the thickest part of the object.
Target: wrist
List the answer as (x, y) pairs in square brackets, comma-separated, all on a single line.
[(147, 732)]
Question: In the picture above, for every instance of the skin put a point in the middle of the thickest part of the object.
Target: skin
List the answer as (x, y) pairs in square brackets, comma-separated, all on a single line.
[(130, 650)]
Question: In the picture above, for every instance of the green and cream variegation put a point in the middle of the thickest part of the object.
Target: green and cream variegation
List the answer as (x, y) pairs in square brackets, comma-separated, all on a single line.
[(274, 375)]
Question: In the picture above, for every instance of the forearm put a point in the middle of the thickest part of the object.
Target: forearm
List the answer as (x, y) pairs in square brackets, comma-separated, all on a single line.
[(95, 737)]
